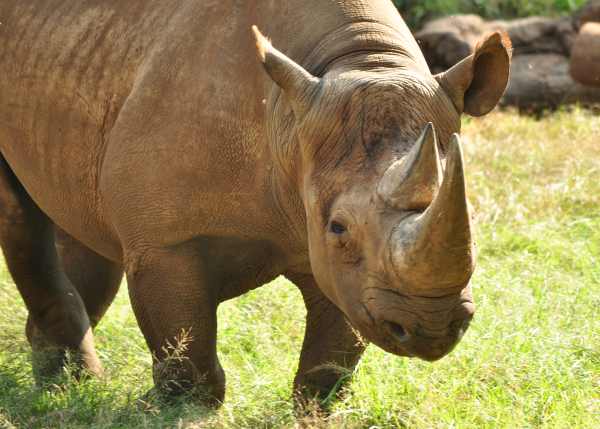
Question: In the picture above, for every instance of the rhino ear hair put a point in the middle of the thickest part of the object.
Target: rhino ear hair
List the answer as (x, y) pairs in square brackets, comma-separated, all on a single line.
[(297, 83), (476, 84)]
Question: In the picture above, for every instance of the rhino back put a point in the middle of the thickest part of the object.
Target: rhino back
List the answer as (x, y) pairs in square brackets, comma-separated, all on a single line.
[(66, 68)]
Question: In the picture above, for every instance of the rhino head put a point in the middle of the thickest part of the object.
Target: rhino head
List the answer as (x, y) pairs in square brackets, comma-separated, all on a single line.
[(381, 176)]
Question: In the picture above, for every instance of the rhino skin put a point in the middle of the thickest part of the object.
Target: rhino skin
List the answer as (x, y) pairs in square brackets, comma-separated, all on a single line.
[(145, 138)]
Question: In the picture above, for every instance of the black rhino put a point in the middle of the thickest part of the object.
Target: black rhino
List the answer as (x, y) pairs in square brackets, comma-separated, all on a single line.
[(145, 137)]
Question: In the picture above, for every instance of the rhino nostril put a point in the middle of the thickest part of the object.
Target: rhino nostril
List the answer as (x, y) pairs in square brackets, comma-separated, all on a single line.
[(398, 331)]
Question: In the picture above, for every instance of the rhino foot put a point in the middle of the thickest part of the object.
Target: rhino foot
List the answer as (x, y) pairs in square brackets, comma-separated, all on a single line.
[(50, 361), (181, 381)]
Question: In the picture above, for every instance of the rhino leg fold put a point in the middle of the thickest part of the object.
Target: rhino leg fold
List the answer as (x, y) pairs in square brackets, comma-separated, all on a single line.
[(177, 312), (58, 326), (330, 351)]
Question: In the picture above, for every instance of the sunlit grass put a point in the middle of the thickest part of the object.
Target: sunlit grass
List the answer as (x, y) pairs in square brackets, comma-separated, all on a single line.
[(530, 359)]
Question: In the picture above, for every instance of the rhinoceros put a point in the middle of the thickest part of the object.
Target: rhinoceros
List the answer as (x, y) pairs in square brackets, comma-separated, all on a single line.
[(171, 141)]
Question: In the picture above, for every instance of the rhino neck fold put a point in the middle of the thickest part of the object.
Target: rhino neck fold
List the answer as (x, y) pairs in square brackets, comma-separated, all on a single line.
[(315, 32), (365, 45)]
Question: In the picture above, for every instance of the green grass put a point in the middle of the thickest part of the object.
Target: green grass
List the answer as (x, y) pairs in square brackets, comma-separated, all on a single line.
[(531, 358), (417, 11)]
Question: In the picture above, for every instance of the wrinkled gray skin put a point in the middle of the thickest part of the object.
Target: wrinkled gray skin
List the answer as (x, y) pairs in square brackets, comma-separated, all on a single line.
[(145, 137)]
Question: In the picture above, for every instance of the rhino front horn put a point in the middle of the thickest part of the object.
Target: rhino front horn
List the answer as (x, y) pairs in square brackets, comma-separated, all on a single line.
[(297, 83), (411, 183), (436, 249)]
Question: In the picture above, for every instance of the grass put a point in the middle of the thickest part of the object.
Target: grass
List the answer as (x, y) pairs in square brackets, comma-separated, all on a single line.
[(531, 358), (417, 11)]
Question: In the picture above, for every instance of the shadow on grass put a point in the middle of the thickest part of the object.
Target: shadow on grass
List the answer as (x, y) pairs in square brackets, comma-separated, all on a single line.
[(88, 403)]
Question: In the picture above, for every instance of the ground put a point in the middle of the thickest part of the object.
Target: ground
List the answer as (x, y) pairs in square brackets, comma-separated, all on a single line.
[(530, 359)]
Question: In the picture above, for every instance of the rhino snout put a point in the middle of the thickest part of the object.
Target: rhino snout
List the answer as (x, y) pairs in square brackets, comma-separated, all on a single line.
[(426, 328)]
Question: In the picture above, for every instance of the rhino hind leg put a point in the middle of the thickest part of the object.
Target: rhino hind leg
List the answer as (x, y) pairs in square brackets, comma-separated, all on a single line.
[(97, 281), (96, 278), (330, 351), (59, 326), (176, 309)]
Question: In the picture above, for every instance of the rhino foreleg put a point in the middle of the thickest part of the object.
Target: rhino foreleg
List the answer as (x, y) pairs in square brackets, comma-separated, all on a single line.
[(176, 311), (58, 322), (331, 348)]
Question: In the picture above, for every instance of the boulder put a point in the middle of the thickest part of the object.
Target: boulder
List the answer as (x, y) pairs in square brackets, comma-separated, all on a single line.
[(585, 58), (539, 35), (446, 41), (589, 13), (543, 81), (542, 47)]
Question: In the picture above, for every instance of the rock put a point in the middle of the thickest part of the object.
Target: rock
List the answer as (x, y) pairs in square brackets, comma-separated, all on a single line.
[(585, 58), (446, 41), (537, 35), (588, 13), (543, 81), (541, 70), (465, 27), (443, 50)]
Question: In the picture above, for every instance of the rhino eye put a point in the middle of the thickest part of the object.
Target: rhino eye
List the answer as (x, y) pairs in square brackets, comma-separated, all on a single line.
[(337, 228)]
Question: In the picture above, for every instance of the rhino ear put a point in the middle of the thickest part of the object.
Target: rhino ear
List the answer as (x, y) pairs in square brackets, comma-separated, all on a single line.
[(476, 84), (297, 83)]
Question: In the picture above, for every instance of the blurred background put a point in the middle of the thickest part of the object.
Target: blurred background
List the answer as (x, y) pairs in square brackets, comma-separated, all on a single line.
[(556, 56), (416, 12)]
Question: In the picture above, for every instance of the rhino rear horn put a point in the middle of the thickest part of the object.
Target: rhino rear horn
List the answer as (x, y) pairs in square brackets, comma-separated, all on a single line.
[(297, 83), (411, 183)]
